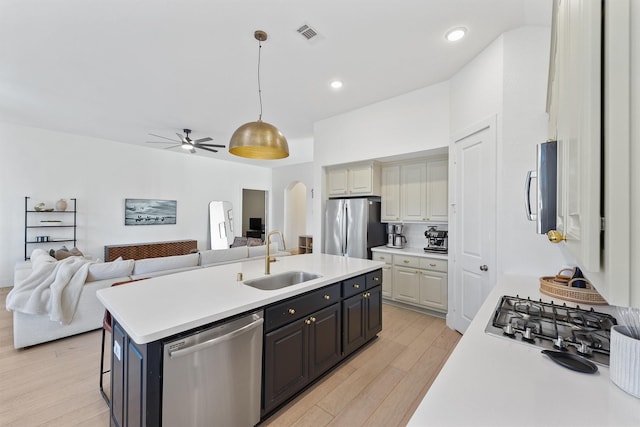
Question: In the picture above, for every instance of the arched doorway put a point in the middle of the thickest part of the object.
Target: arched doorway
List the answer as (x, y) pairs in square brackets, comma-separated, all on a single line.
[(295, 213)]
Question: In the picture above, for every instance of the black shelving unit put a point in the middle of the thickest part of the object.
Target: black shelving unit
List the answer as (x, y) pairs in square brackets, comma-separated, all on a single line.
[(30, 239)]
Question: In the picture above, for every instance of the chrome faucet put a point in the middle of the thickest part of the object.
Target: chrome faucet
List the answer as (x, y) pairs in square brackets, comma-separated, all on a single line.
[(268, 259)]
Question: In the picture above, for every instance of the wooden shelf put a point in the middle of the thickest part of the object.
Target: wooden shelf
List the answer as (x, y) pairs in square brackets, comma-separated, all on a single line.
[(305, 244)]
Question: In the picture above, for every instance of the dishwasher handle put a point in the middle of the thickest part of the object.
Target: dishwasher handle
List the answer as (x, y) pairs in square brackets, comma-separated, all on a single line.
[(210, 343)]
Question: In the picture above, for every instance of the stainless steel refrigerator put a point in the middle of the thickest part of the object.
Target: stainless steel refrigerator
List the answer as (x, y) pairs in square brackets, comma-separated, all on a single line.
[(352, 227)]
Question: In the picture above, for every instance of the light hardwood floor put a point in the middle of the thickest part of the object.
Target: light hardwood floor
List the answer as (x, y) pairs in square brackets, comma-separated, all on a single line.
[(56, 384)]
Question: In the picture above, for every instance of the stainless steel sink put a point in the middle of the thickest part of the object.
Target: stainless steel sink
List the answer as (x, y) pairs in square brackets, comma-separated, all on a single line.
[(282, 280)]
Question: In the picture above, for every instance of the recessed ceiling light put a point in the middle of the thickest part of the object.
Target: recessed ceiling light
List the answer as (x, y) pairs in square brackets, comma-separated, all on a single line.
[(336, 84), (455, 34)]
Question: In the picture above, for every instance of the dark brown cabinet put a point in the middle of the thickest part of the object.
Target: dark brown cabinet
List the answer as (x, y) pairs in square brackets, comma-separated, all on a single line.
[(362, 318), (362, 312), (297, 353), (135, 381)]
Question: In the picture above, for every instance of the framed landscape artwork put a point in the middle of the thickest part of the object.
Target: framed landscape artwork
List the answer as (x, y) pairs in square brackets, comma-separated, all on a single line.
[(149, 212)]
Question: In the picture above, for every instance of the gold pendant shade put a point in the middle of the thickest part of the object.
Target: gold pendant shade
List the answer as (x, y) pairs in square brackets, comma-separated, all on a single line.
[(259, 140)]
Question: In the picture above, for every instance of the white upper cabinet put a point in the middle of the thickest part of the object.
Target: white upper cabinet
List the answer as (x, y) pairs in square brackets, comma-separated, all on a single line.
[(359, 179), (390, 190), (438, 190), (416, 191), (589, 117)]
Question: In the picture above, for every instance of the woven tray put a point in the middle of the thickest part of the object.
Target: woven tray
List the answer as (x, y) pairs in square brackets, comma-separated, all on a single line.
[(558, 286)]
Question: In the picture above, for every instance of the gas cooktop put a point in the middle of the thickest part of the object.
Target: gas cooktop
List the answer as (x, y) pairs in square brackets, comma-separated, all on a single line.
[(552, 326)]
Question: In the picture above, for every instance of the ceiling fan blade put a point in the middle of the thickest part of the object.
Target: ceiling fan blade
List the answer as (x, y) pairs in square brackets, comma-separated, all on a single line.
[(197, 141), (163, 137), (173, 146), (160, 142), (208, 149), (182, 138), (210, 145)]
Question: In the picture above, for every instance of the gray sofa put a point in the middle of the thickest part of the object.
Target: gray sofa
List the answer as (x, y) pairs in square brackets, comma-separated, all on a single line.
[(31, 329)]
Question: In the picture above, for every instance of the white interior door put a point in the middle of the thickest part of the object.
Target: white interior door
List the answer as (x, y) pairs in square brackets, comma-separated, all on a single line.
[(472, 258)]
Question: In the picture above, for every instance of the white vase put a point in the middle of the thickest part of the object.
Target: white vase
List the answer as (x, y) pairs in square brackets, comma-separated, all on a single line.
[(61, 205)]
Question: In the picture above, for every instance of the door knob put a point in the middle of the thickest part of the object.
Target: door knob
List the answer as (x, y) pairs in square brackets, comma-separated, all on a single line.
[(484, 267), (555, 236)]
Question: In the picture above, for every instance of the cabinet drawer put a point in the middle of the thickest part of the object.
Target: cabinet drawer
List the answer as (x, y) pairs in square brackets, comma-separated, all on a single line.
[(433, 264), (299, 307), (383, 257), (353, 286), (374, 279), (406, 261)]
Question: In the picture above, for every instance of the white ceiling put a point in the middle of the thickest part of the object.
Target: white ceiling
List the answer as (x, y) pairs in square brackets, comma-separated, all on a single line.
[(121, 69)]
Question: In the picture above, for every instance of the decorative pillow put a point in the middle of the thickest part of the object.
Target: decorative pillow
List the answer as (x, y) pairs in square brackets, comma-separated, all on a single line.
[(110, 270), (252, 241), (223, 255), (239, 241), (149, 265)]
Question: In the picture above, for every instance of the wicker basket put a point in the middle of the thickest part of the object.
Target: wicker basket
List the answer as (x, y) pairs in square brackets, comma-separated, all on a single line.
[(559, 286)]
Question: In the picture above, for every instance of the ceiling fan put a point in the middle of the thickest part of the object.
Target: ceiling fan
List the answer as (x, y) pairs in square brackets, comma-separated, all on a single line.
[(187, 143)]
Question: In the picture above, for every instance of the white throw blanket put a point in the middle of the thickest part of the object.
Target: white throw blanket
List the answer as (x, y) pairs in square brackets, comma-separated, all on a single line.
[(52, 288)]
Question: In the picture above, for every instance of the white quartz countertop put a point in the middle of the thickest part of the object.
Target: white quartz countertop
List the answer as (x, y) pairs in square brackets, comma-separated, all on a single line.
[(494, 381), (159, 307), (419, 252)]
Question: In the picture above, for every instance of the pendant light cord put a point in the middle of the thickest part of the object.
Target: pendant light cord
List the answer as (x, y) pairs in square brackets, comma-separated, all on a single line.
[(259, 87)]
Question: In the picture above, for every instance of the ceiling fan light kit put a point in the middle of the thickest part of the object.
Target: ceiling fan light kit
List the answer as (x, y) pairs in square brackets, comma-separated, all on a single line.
[(259, 140)]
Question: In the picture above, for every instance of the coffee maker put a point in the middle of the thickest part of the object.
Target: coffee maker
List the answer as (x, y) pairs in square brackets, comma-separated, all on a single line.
[(395, 238), (437, 240)]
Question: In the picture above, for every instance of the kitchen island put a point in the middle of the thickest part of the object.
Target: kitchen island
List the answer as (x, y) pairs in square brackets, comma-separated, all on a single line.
[(495, 381), (314, 324)]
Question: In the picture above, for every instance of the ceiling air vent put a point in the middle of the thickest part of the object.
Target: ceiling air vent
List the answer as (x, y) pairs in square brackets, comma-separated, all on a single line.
[(307, 32)]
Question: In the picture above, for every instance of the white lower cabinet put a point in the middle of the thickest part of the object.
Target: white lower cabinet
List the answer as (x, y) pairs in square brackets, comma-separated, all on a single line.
[(415, 280), (407, 285), (433, 290), (387, 273)]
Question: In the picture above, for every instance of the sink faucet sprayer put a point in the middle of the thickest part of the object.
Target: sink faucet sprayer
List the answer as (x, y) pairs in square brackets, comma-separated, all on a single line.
[(268, 259)]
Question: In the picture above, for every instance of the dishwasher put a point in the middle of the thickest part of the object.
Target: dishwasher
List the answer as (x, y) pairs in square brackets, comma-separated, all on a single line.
[(213, 377)]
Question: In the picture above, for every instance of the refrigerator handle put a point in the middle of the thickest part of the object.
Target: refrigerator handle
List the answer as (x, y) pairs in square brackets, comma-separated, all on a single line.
[(527, 195), (345, 216)]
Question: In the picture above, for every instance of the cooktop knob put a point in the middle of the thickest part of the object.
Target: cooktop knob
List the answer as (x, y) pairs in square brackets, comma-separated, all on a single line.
[(508, 330), (526, 335), (559, 343), (584, 349)]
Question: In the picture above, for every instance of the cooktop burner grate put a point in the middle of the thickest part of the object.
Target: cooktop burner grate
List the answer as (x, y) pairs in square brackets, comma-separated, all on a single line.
[(553, 326)]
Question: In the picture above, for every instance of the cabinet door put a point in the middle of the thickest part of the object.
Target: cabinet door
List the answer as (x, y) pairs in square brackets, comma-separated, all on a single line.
[(373, 312), (406, 285), (433, 290), (286, 362), (118, 348), (438, 190), (325, 337), (578, 117), (360, 180), (387, 281), (414, 192), (390, 193), (135, 382), (337, 181), (353, 330)]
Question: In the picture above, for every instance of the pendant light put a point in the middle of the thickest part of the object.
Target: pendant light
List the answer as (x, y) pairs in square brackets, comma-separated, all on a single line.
[(259, 140)]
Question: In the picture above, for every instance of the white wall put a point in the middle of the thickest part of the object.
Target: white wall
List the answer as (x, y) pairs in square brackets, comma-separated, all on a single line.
[(524, 124), (413, 122), (283, 178), (48, 165)]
